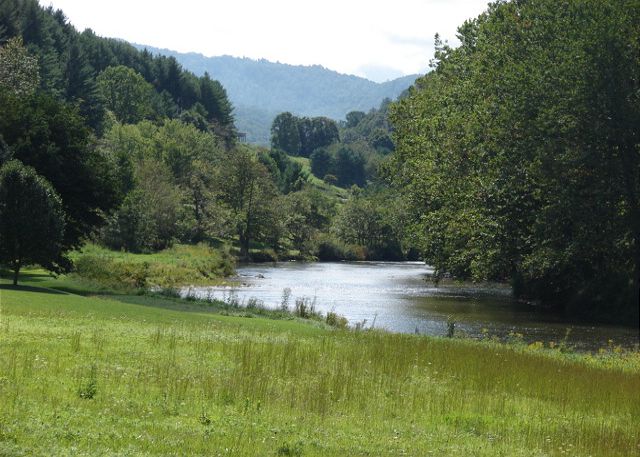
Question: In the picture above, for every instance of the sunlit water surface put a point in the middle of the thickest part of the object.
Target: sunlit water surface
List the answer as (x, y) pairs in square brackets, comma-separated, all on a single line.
[(398, 297)]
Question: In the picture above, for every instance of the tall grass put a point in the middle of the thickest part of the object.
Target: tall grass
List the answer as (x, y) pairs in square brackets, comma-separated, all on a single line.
[(90, 376), (176, 266)]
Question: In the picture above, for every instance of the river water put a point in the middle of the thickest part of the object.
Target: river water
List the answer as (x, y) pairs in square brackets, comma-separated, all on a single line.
[(397, 296)]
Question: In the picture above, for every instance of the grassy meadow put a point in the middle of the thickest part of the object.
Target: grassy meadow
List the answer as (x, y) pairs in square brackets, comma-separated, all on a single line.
[(143, 375)]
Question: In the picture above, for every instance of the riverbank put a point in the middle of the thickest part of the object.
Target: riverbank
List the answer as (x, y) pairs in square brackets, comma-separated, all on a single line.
[(140, 375), (397, 296)]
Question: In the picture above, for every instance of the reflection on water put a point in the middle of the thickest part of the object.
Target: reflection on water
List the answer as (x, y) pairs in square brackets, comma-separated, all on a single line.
[(398, 297)]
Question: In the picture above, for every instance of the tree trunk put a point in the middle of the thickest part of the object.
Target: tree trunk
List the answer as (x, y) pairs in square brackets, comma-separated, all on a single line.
[(636, 286), (244, 247), (16, 272), (244, 244)]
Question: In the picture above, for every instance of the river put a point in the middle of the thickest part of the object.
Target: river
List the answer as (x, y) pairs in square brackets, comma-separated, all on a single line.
[(398, 297)]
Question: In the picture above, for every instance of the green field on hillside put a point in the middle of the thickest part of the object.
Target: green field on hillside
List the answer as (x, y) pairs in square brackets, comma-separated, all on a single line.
[(329, 189), (140, 375)]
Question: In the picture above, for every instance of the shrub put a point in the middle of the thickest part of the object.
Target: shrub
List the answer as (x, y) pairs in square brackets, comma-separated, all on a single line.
[(305, 308), (89, 387), (115, 274), (328, 249), (336, 320)]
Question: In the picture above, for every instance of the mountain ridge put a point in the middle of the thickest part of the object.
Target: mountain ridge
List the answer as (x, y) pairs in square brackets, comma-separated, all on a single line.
[(260, 89)]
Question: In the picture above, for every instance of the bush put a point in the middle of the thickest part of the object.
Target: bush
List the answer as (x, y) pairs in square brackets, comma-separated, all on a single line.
[(113, 274), (330, 249), (336, 320)]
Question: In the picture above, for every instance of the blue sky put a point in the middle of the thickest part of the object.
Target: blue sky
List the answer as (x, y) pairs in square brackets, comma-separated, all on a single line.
[(376, 39)]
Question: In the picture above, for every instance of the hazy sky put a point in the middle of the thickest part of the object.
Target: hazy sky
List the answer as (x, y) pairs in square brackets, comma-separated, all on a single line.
[(376, 39)]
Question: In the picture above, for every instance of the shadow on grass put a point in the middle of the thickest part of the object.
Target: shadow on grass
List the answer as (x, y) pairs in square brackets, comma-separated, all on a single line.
[(158, 301), (41, 290), (26, 276)]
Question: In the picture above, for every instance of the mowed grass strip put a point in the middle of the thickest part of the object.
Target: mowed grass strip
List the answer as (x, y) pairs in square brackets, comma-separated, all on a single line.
[(97, 376)]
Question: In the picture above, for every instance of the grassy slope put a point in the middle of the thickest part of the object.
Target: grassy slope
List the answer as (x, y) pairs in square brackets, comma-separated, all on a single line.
[(170, 382), (329, 189)]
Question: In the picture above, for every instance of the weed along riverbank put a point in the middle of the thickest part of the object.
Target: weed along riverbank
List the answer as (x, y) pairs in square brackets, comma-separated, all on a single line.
[(152, 375)]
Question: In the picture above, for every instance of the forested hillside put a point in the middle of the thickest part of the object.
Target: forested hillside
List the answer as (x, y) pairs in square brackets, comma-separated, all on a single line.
[(114, 146), (69, 63), (260, 89)]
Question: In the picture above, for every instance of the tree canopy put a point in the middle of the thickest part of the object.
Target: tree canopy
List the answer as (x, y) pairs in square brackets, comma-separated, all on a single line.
[(520, 156), (52, 137), (125, 93), (70, 61), (31, 220)]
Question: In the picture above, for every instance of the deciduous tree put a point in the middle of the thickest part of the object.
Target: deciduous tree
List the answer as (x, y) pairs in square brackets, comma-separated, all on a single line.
[(31, 220)]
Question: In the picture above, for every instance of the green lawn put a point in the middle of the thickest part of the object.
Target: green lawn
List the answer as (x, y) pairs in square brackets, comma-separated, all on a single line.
[(139, 375)]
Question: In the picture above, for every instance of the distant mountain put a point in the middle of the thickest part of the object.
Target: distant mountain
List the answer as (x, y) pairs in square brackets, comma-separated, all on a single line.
[(260, 90)]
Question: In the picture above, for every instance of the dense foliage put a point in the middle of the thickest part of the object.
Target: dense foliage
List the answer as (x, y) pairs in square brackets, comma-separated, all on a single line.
[(520, 156), (60, 91), (31, 220), (142, 153), (301, 136), (354, 156), (71, 62), (51, 136)]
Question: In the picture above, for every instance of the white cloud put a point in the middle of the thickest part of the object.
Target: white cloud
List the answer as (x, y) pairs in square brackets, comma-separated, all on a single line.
[(347, 36)]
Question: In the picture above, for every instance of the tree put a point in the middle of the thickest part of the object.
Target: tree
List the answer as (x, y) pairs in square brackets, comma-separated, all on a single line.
[(248, 190), (321, 162), (196, 116), (381, 141), (18, 70), (349, 167), (81, 86), (316, 132), (152, 216), (306, 214), (215, 101), (354, 118), (374, 221), (31, 220), (519, 154), (125, 93), (190, 155), (52, 137), (285, 135), (69, 62), (287, 174)]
